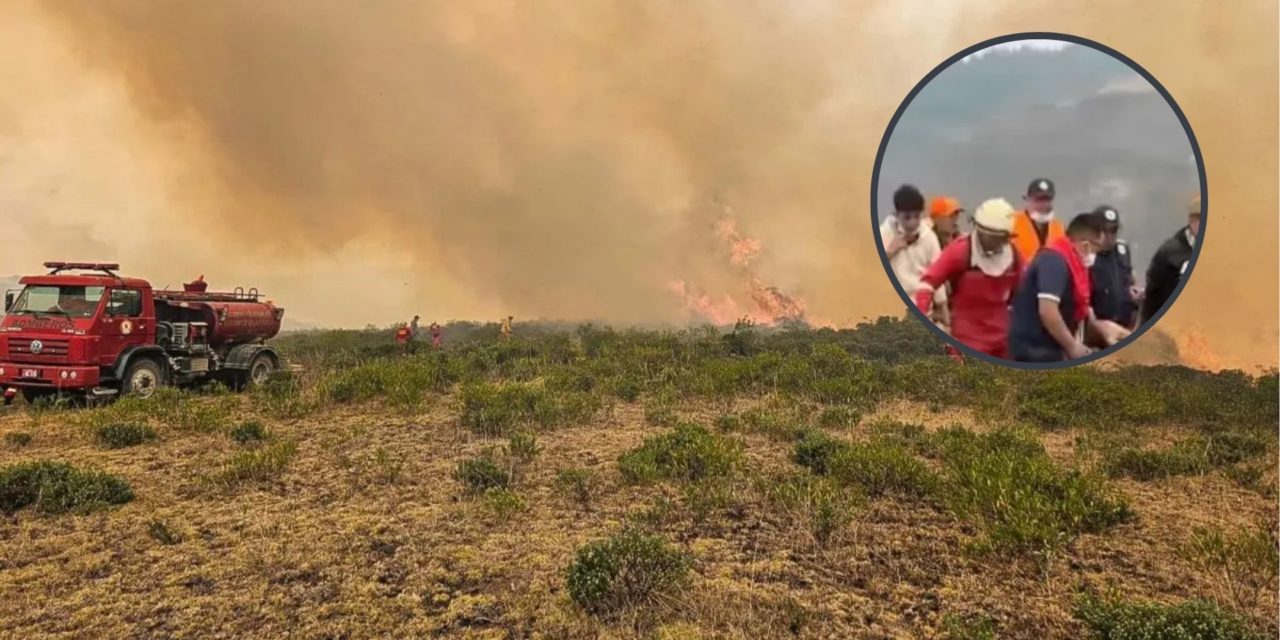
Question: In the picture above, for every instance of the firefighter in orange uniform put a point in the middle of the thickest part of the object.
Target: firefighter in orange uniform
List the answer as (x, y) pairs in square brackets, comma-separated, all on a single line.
[(1035, 227)]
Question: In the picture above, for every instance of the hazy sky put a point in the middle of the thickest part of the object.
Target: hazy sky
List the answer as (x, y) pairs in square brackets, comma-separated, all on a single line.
[(986, 126), (362, 162)]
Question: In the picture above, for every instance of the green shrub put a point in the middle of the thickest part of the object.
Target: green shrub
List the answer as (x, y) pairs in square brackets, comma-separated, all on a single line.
[(661, 415), (523, 447), (1024, 502), (57, 487), (913, 437), (494, 409), (249, 431), (119, 436), (1087, 398), (815, 451), (778, 422), (688, 453), (881, 467), (969, 627), (1116, 619), (1242, 564), (625, 571), (1190, 456), (817, 500), (17, 439), (482, 473), (257, 465), (708, 495), (580, 484), (502, 503), (728, 423), (840, 417)]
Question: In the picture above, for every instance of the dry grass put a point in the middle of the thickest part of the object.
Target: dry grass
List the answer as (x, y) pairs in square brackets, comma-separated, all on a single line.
[(349, 518)]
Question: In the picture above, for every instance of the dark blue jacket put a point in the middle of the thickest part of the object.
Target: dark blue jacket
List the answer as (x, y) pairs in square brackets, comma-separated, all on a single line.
[(1111, 275)]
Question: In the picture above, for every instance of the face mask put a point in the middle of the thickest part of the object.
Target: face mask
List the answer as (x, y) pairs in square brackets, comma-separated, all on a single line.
[(1042, 218), (1089, 259)]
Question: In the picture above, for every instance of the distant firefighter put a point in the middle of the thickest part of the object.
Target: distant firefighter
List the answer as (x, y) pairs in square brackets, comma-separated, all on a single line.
[(506, 327), (437, 335)]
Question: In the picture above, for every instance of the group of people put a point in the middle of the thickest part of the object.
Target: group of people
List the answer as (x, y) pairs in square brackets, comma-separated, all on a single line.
[(1022, 285), (409, 334)]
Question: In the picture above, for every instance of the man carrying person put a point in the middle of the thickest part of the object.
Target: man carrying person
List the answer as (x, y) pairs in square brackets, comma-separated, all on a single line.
[(1113, 293), (1169, 264), (1035, 227), (982, 270), (910, 245), (1052, 306)]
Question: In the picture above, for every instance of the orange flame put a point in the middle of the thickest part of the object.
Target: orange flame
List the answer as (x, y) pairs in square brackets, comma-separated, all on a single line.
[(767, 304)]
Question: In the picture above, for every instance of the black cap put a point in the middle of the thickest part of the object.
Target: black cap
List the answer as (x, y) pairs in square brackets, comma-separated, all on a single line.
[(1107, 214), (1040, 187)]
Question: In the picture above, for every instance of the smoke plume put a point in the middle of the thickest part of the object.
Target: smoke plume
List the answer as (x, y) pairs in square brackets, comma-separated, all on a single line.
[(366, 161)]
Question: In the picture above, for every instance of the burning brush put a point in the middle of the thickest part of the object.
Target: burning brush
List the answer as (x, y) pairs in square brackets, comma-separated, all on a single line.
[(764, 304)]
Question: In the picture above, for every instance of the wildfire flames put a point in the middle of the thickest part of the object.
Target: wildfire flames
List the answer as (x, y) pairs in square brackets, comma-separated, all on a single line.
[(756, 301)]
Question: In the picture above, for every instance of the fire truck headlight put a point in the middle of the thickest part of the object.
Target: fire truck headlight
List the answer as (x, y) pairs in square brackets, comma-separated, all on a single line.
[(73, 375), (1, 371), (63, 375)]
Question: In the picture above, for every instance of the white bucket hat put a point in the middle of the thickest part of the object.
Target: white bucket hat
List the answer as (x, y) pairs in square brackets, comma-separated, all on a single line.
[(995, 215)]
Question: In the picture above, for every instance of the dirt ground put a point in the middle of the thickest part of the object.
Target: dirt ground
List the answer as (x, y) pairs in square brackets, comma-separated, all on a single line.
[(339, 547)]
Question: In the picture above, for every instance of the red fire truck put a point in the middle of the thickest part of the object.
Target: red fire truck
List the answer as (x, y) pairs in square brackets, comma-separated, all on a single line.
[(82, 329)]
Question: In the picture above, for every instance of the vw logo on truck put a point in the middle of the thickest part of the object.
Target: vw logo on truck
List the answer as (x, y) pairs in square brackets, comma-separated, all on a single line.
[(36, 346)]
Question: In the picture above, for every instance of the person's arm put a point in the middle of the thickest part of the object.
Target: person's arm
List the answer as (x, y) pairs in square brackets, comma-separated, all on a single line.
[(947, 266), (1050, 283), (1110, 331), (1051, 318), (893, 242)]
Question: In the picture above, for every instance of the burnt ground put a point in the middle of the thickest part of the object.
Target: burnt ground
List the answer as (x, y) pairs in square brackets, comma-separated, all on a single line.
[(340, 546)]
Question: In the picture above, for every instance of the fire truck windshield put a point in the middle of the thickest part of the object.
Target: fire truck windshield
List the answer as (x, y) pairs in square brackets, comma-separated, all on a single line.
[(70, 301)]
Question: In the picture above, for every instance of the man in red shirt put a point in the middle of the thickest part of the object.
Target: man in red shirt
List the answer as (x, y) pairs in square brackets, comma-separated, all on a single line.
[(982, 270)]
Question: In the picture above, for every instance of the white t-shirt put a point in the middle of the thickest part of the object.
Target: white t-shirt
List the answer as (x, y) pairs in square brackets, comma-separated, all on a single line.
[(910, 263)]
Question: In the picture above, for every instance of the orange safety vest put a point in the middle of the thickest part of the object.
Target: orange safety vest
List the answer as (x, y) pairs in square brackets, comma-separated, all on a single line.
[(1027, 241)]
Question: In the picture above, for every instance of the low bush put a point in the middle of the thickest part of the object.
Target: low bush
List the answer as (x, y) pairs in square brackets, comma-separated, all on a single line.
[(1082, 397), (502, 503), (1242, 564), (1112, 618), (249, 431), (161, 532), (969, 627), (482, 473), (1194, 455), (626, 571), (257, 465), (121, 435), (815, 451), (817, 500), (523, 447), (1023, 501), (688, 453), (580, 484), (57, 487), (839, 417), (882, 467), (495, 409)]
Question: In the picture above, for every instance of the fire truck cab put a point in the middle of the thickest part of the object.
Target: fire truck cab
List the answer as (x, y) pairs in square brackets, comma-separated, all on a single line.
[(82, 328)]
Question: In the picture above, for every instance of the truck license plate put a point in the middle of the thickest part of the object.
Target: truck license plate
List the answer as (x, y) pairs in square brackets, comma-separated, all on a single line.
[(31, 373)]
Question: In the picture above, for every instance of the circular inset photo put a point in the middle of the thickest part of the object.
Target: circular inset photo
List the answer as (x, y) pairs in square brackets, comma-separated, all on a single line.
[(1038, 200)]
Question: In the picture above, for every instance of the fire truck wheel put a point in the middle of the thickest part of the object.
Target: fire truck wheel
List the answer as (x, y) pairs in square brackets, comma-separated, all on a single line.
[(261, 368), (142, 378)]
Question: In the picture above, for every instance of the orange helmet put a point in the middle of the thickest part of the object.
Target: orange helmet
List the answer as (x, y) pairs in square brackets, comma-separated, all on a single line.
[(944, 206)]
